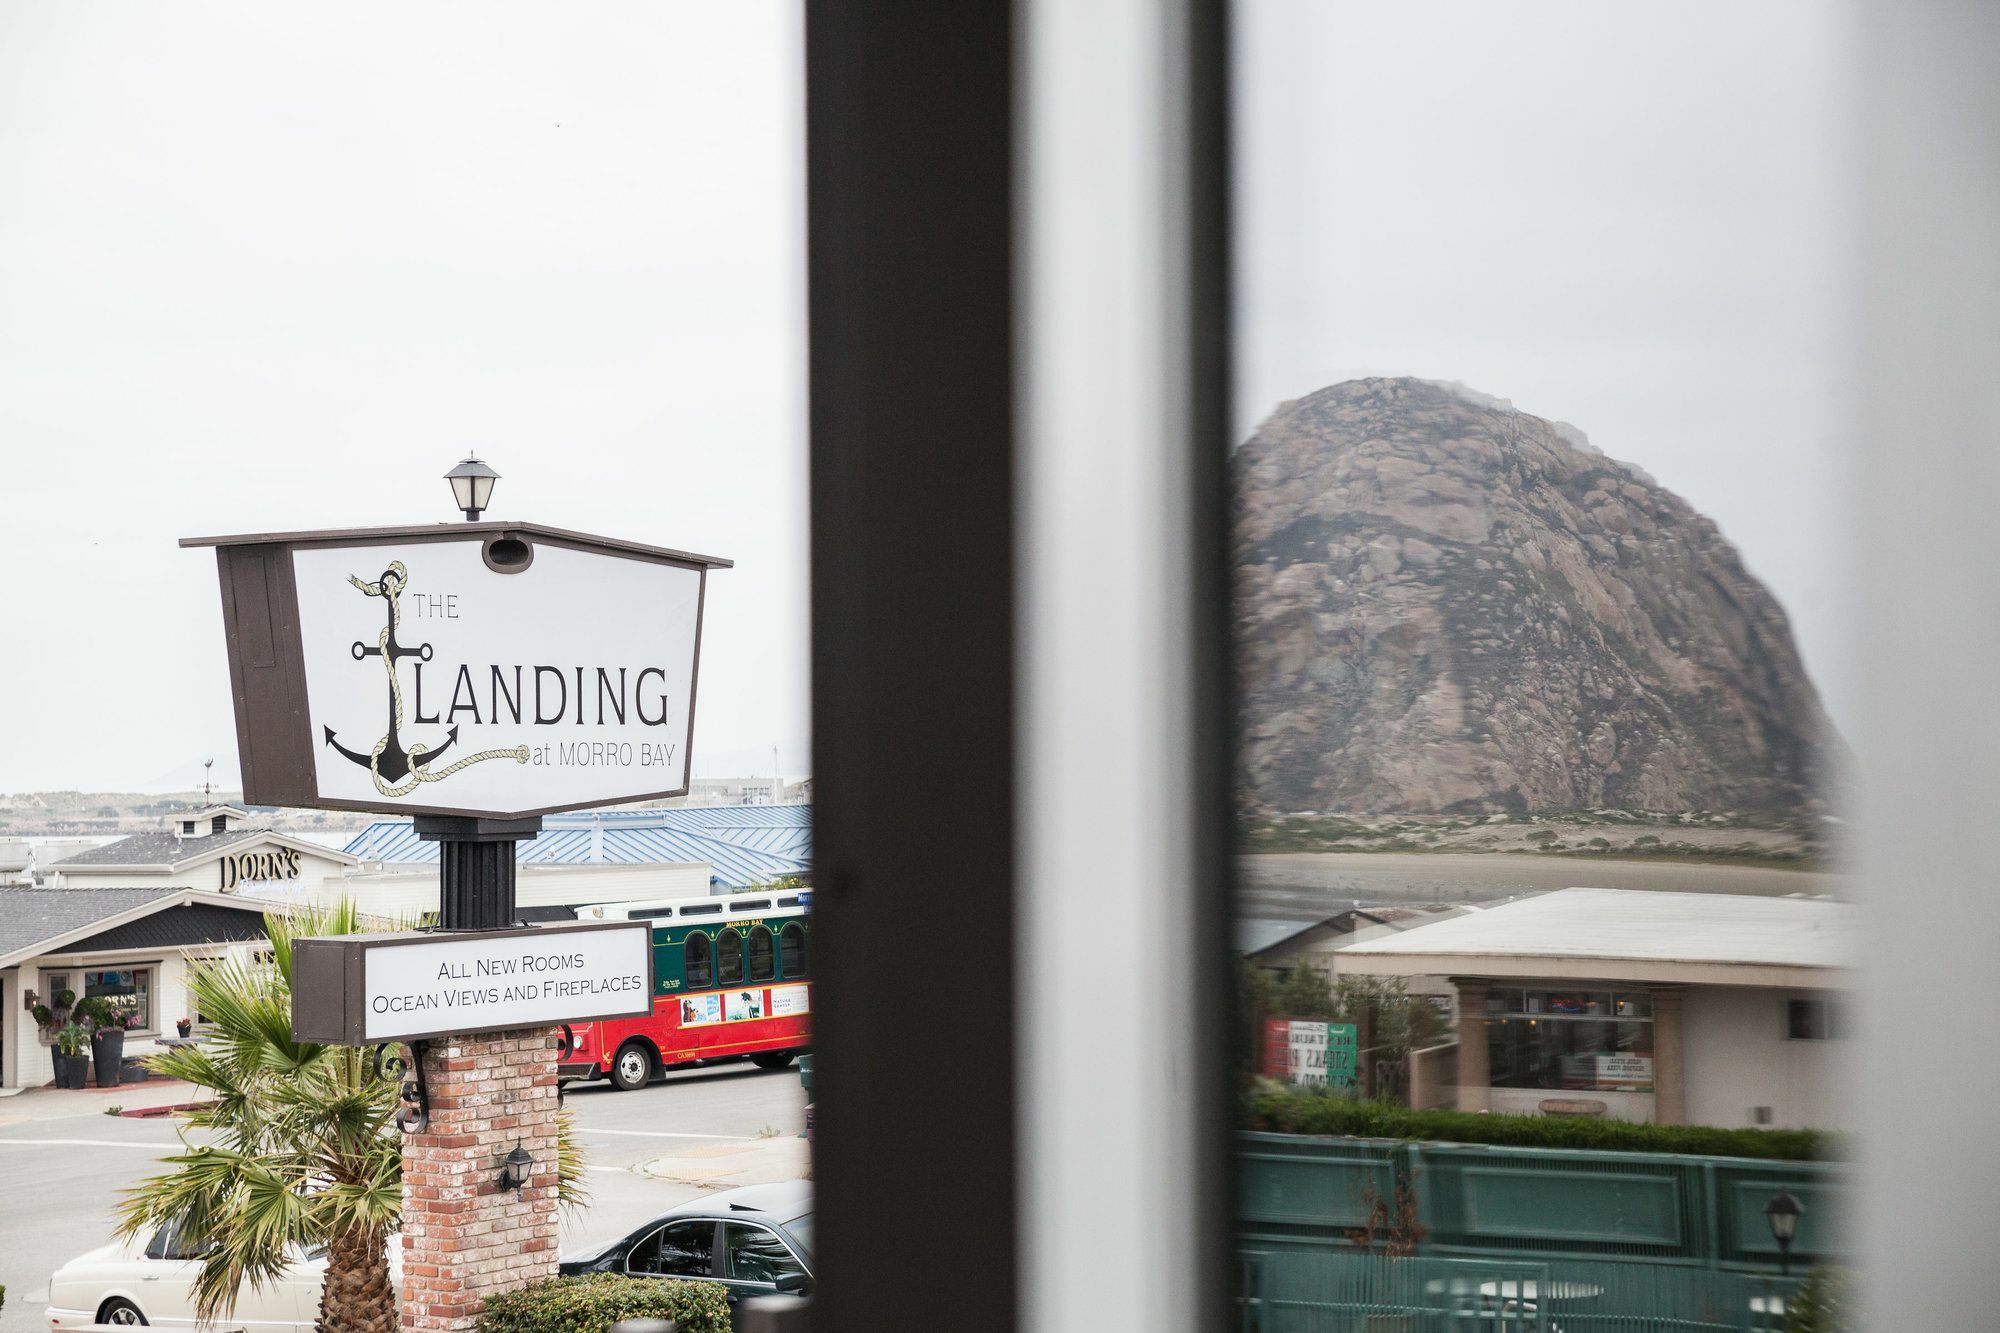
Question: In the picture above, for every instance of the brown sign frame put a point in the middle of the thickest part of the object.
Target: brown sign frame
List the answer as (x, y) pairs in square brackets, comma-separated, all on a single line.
[(329, 1001), (267, 675)]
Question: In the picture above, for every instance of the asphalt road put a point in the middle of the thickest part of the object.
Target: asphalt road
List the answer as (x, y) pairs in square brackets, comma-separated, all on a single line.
[(1307, 885), (60, 1178)]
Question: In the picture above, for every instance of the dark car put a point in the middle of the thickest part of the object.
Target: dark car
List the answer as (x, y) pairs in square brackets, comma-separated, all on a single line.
[(755, 1240)]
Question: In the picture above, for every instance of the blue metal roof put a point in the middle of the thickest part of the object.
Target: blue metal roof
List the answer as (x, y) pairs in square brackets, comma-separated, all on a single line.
[(742, 844)]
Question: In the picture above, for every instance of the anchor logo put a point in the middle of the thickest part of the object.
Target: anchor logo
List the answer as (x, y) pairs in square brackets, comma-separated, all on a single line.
[(398, 769)]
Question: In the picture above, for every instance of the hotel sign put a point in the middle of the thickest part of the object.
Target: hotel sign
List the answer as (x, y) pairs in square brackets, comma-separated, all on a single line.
[(481, 669), (359, 990)]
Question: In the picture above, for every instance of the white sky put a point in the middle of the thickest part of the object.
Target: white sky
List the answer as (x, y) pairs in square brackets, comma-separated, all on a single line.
[(266, 267), (280, 266), (1619, 215)]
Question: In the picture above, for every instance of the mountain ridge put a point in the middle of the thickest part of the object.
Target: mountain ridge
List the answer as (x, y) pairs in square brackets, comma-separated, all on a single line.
[(1447, 605)]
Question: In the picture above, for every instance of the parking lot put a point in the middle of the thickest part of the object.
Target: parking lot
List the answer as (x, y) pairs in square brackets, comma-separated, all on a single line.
[(61, 1174)]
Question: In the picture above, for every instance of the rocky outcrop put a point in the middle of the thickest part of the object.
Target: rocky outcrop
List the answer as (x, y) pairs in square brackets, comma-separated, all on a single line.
[(1446, 605)]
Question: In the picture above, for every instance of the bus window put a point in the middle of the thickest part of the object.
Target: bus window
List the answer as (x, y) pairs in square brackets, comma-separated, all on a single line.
[(729, 958), (763, 962), (700, 971), (792, 951)]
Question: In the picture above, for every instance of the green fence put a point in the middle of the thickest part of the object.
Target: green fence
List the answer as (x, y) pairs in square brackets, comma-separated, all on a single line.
[(1296, 1191), (1354, 1291)]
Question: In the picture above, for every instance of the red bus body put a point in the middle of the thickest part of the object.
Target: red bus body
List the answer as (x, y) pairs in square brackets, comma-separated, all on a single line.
[(729, 982)]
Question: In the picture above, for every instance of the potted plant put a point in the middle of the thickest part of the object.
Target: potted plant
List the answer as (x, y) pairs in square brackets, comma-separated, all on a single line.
[(107, 1038), (72, 1056), (184, 1025)]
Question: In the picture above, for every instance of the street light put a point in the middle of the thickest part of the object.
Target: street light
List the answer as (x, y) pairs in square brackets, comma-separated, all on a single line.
[(1783, 1213), (472, 486)]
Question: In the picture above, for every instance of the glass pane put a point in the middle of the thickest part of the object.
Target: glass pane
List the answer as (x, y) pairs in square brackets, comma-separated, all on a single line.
[(686, 1249), (1538, 616), (729, 958), (695, 951), (756, 1255), (792, 951), (763, 959)]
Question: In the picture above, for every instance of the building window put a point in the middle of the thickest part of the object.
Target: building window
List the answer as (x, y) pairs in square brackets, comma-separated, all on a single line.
[(1813, 1020), (220, 824), (130, 990), (1579, 1041), (763, 955), (792, 951), (729, 958), (697, 961), (187, 828)]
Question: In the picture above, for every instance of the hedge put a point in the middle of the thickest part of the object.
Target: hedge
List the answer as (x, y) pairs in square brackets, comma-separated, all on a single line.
[(1305, 1111), (593, 1303)]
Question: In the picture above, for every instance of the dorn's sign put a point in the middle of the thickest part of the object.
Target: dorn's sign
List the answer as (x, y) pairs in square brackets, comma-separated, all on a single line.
[(363, 989), (482, 669)]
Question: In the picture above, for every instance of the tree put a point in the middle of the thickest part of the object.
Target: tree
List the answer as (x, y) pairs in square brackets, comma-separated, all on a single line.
[(1403, 1022), (299, 1146)]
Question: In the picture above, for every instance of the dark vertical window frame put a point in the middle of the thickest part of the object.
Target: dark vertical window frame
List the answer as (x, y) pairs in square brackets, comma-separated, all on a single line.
[(1211, 391), (910, 158)]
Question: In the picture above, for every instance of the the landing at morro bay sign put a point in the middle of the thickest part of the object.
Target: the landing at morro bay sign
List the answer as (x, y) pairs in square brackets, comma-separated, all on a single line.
[(485, 669)]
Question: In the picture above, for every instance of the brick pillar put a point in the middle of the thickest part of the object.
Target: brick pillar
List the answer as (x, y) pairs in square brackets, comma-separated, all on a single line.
[(1669, 1065), (464, 1238), (1475, 1077)]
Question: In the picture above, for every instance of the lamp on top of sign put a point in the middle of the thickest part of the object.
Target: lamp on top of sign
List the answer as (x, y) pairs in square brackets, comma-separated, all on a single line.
[(483, 669)]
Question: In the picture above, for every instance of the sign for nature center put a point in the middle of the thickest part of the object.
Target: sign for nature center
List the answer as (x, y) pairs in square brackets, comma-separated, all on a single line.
[(476, 669)]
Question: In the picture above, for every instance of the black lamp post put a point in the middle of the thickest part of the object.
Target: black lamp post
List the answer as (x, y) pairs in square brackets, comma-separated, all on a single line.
[(472, 486), (1783, 1213)]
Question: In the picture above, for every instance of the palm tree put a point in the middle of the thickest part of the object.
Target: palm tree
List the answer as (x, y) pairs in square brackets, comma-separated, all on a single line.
[(298, 1148)]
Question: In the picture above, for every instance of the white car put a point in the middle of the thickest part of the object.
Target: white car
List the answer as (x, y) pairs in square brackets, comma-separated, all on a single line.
[(127, 1282)]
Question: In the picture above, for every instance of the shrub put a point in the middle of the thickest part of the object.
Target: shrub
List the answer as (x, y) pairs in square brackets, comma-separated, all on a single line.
[(1305, 1111), (1824, 1304), (594, 1303)]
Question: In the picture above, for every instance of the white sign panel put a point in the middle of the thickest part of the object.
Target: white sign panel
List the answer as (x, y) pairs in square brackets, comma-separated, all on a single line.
[(434, 681), (473, 983), (1308, 1045)]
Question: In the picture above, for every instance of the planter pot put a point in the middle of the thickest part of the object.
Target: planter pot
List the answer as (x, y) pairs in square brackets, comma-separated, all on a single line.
[(184, 1028), (72, 1071), (107, 1051)]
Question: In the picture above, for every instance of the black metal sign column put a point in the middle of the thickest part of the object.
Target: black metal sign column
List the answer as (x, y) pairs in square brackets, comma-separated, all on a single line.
[(475, 868)]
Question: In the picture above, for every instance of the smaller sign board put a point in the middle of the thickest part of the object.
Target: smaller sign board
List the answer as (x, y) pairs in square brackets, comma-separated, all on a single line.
[(1308, 1051), (362, 989), (1608, 1071)]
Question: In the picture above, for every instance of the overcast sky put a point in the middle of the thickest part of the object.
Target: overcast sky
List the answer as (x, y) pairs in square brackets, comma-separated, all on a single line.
[(1620, 215), (280, 266)]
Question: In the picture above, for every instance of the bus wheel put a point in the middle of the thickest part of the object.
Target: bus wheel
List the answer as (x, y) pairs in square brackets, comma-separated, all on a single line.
[(771, 1059), (632, 1068)]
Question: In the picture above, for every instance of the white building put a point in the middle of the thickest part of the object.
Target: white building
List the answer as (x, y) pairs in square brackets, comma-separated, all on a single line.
[(218, 848), (1695, 1008), (131, 943)]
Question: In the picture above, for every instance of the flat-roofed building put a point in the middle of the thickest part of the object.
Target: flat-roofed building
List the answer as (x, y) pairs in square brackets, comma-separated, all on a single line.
[(1693, 1008)]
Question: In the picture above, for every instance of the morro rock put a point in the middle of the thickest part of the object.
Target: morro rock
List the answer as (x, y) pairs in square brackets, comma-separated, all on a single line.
[(1445, 605)]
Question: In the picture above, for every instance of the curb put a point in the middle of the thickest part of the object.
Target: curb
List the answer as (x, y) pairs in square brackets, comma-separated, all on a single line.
[(150, 1112)]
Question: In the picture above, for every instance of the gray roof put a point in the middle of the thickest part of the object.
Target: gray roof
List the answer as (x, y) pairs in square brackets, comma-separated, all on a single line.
[(1254, 936), (178, 927), (30, 916), (157, 849)]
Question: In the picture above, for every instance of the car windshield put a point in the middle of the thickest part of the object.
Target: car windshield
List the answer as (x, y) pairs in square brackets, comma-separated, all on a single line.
[(800, 1229)]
